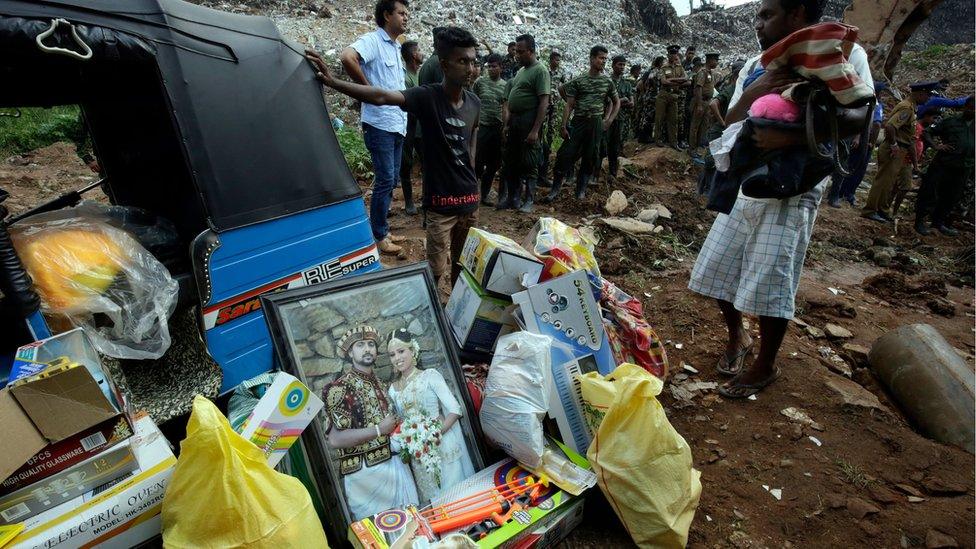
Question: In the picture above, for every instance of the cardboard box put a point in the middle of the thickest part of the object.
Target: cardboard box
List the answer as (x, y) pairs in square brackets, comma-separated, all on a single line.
[(499, 264), (109, 465), (279, 418), (57, 421), (553, 529), (477, 319), (72, 346), (565, 310), (124, 515)]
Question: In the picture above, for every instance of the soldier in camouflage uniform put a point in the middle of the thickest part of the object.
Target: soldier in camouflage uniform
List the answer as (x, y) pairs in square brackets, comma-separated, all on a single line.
[(612, 144), (511, 64), (585, 102), (528, 99), (647, 88), (702, 90), (630, 128), (669, 99), (558, 77)]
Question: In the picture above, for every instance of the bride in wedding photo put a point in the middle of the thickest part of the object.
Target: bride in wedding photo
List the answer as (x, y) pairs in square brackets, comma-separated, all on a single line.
[(429, 412)]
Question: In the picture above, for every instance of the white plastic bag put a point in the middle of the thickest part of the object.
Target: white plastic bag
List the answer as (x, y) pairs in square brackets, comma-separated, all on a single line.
[(721, 147), (92, 275), (517, 396)]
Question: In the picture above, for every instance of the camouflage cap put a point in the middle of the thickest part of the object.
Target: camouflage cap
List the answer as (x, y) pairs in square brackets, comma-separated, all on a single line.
[(359, 333)]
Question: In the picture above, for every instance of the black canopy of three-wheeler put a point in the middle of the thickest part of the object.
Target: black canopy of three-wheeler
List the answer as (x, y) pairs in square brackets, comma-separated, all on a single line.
[(211, 119)]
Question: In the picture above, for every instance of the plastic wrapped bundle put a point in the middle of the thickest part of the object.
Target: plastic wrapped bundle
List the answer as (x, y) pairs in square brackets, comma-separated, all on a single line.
[(100, 278), (517, 396)]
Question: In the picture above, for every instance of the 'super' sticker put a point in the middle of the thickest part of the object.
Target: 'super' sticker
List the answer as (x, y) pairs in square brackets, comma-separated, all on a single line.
[(238, 306)]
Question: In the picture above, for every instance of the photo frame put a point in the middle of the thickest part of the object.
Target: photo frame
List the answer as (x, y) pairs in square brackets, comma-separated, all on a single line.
[(337, 337)]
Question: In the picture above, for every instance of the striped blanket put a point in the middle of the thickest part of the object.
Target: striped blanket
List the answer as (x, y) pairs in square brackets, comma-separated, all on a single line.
[(820, 52)]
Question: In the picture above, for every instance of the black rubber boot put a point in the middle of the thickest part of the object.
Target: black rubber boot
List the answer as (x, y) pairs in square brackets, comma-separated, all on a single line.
[(921, 229), (557, 185), (529, 196), (581, 182), (486, 192), (508, 195)]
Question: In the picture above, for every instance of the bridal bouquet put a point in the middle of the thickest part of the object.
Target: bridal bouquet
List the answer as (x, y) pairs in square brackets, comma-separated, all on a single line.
[(418, 439)]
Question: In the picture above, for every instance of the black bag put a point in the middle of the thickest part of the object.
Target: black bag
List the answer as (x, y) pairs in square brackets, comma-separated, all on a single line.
[(785, 173)]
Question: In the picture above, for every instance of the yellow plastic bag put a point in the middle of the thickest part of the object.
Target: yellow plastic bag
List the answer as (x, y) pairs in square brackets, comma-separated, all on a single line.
[(224, 494), (642, 464)]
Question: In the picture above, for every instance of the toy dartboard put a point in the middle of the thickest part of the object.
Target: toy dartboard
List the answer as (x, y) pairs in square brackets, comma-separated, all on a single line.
[(511, 472), (390, 521)]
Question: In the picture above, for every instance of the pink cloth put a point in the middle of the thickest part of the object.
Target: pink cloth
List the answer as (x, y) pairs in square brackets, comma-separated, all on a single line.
[(775, 107)]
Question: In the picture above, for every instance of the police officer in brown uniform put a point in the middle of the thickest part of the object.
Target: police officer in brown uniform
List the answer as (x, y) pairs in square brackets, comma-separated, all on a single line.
[(670, 98), (896, 154), (702, 90)]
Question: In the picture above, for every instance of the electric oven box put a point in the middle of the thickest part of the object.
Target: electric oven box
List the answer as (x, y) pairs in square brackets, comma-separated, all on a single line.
[(125, 513)]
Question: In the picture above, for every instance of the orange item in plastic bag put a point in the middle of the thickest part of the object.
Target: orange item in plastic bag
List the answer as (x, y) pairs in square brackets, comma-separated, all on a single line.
[(70, 266)]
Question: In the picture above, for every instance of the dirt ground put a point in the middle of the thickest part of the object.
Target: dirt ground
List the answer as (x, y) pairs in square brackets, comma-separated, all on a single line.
[(869, 459), (845, 484)]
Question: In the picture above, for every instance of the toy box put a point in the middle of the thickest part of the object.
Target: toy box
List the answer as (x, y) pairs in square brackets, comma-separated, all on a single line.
[(499, 264), (564, 309), (495, 485), (477, 319), (122, 515), (279, 418)]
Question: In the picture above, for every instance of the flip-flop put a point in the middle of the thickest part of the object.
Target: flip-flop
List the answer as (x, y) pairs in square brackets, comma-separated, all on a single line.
[(739, 358), (749, 389)]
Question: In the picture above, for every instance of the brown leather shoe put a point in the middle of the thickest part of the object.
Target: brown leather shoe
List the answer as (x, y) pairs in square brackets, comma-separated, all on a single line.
[(387, 247), (396, 239)]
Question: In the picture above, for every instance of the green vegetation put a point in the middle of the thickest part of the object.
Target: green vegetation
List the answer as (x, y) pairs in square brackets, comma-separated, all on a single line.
[(853, 474), (936, 50), (354, 149), (922, 59), (39, 127)]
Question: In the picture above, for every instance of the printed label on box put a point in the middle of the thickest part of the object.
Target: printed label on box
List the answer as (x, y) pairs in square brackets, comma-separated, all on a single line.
[(280, 416)]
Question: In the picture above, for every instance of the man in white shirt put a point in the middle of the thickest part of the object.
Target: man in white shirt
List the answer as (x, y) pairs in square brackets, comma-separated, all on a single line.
[(753, 257), (374, 60)]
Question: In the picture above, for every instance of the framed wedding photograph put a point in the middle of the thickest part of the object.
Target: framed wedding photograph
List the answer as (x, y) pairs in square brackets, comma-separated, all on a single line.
[(398, 427)]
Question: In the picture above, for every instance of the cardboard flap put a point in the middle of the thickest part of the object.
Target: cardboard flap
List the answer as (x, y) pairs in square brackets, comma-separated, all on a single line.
[(64, 404), (21, 439)]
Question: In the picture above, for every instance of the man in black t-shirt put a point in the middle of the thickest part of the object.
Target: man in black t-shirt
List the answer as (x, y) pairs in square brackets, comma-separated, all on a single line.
[(447, 114)]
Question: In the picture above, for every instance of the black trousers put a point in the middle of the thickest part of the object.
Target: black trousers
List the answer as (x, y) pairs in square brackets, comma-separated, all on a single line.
[(411, 145), (488, 157), (521, 160), (585, 135), (942, 188)]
